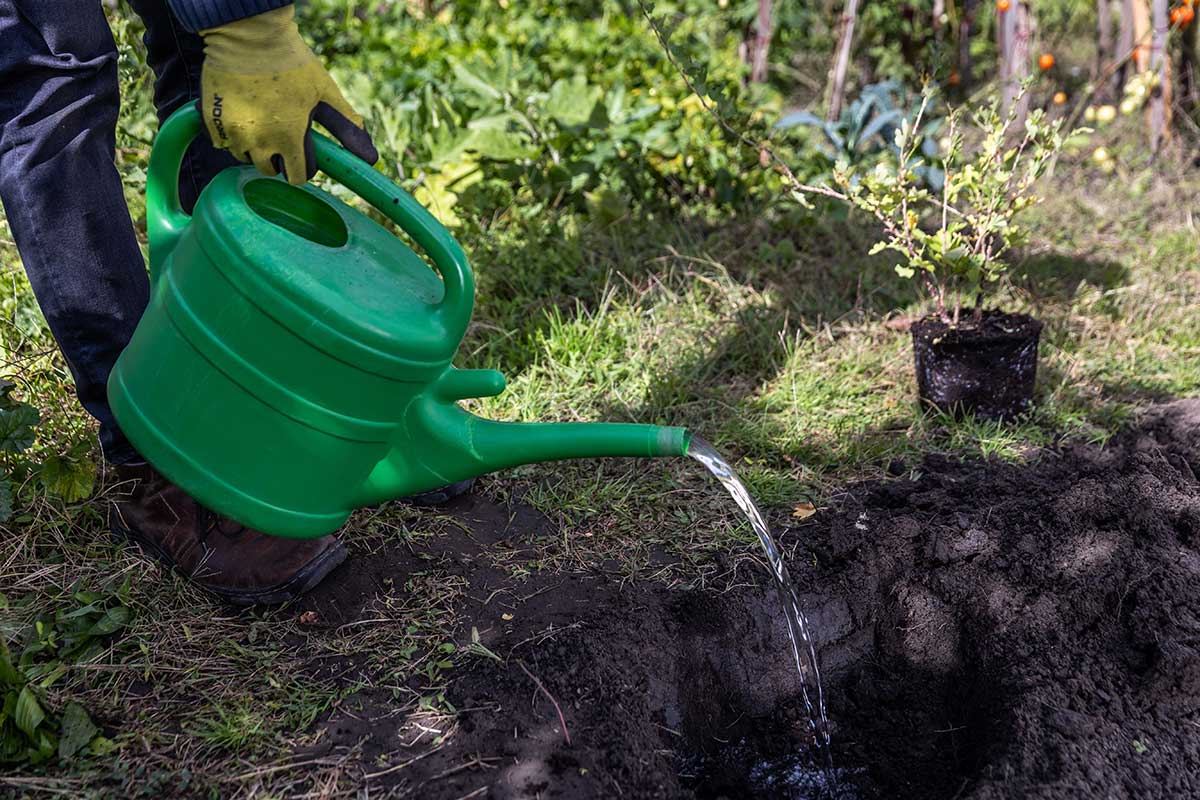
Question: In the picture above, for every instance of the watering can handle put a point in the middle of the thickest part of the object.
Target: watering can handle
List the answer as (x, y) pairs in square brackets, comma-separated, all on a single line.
[(166, 219)]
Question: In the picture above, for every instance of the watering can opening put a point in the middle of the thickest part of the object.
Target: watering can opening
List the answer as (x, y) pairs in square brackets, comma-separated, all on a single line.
[(297, 211)]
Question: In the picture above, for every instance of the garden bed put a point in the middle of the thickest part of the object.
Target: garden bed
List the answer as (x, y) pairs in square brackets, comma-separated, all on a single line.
[(987, 630)]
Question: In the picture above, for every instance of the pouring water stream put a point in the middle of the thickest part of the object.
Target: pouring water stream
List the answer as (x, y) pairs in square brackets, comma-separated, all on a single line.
[(803, 651)]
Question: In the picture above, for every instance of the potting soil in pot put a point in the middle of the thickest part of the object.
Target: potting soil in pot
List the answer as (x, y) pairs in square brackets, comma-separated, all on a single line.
[(987, 368)]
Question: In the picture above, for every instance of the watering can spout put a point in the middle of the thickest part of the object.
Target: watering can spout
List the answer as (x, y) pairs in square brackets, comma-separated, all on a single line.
[(440, 443)]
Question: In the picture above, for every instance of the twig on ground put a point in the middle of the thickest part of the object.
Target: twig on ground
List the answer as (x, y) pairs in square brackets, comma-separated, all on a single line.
[(476, 761), (403, 764), (561, 719), (261, 772)]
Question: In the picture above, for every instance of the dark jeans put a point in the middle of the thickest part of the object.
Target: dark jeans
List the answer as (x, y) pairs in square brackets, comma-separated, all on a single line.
[(58, 183)]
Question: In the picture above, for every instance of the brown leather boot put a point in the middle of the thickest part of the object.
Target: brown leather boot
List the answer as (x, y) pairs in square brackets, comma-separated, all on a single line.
[(240, 565)]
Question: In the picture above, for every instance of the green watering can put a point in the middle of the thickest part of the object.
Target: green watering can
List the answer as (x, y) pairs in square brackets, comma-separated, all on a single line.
[(294, 361)]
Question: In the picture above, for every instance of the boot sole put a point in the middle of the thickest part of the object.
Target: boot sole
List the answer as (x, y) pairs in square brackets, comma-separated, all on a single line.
[(305, 579)]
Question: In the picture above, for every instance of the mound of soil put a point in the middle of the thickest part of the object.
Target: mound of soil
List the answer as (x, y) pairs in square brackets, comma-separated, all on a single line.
[(986, 630)]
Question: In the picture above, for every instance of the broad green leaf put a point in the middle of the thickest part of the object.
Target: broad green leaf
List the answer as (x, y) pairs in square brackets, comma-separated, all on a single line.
[(606, 207), (102, 746), (48, 674), (877, 125), (77, 730), (499, 145), (571, 102), (469, 80), (434, 195), (498, 121), (91, 608), (446, 146), (438, 191), (112, 621), (831, 133), (69, 478), (28, 714), (797, 118), (16, 427)]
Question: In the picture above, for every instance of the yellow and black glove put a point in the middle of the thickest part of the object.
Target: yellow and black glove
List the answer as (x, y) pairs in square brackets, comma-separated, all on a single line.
[(262, 88)]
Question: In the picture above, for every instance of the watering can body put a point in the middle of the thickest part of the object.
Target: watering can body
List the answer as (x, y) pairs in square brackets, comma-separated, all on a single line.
[(294, 362)]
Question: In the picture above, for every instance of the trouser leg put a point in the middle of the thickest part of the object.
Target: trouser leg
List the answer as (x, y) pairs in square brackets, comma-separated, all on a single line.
[(60, 189), (62, 193)]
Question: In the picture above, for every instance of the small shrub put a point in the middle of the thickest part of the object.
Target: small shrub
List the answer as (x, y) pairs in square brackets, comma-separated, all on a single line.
[(954, 239)]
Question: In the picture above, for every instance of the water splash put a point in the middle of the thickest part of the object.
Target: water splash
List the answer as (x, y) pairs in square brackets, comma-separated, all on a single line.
[(803, 651), (794, 777)]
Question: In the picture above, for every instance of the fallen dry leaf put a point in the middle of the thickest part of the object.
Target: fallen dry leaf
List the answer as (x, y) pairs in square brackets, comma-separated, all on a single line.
[(309, 618), (506, 617), (804, 510), (901, 323)]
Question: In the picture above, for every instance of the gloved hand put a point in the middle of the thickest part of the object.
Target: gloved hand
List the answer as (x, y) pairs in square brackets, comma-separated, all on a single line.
[(261, 89)]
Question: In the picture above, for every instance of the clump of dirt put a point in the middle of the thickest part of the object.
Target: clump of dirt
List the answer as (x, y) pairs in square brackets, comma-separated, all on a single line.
[(987, 631)]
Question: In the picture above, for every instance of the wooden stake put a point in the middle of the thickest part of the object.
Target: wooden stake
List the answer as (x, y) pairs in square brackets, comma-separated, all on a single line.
[(1104, 47), (1124, 46), (1159, 111), (762, 43), (1013, 39), (841, 63), (1141, 35)]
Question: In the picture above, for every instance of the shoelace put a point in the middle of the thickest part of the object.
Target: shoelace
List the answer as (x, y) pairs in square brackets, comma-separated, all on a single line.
[(208, 522)]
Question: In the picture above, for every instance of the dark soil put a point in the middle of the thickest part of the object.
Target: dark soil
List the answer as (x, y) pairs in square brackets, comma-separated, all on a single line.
[(986, 368), (987, 631)]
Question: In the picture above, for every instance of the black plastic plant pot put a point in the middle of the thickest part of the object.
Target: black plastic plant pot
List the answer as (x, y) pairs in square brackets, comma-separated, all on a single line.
[(986, 369)]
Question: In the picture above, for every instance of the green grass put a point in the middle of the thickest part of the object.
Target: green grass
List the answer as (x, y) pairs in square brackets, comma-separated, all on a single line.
[(765, 333)]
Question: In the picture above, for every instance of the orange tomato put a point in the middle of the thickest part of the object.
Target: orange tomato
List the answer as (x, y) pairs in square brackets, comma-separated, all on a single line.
[(1060, 98), (953, 78), (1046, 61), (1002, 5), (1186, 15)]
